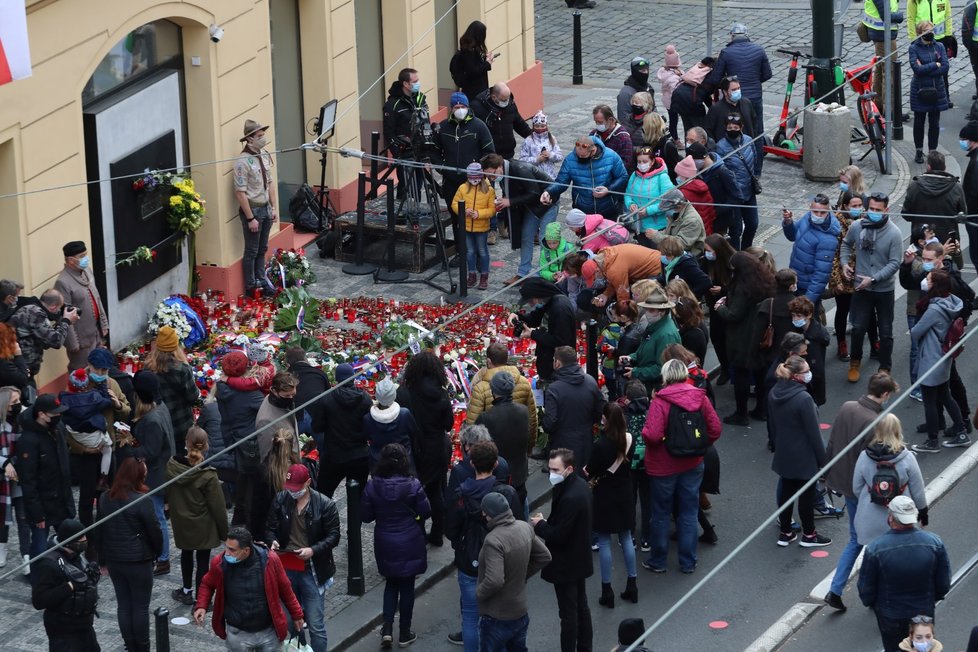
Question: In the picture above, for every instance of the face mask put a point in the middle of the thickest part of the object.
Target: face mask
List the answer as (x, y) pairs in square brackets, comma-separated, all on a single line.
[(928, 266), (279, 402), (732, 134), (818, 220), (924, 285), (416, 87), (78, 547), (735, 95), (641, 77), (83, 262), (806, 377), (231, 559), (53, 421), (98, 378), (927, 38), (843, 186), (964, 144), (644, 167), (259, 142), (665, 259), (502, 105), (699, 163), (298, 494), (460, 113), (600, 128), (638, 110), (856, 212), (923, 646), (710, 255), (475, 182), (874, 217), (798, 323), (556, 478), (15, 409)]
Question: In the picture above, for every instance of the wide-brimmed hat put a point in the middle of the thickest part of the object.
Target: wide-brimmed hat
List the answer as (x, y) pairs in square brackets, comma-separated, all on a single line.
[(658, 300), (250, 127)]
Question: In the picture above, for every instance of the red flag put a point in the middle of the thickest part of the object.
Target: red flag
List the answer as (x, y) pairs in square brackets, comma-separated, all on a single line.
[(15, 54)]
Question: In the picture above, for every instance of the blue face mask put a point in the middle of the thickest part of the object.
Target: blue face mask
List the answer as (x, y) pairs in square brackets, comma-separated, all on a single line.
[(843, 186), (231, 559), (927, 266), (416, 87), (798, 323), (710, 255), (735, 95), (818, 220), (665, 259), (83, 262), (98, 378), (856, 211), (965, 145), (874, 217)]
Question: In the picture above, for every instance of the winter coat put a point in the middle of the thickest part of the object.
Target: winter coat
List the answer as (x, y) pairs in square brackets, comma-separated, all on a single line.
[(481, 398), (625, 93), (813, 253), (502, 123), (643, 191), (716, 118), (741, 164), (739, 313), (238, 412), (463, 470), (793, 423), (210, 421), (511, 553), (572, 407), (929, 333), (133, 535), (836, 278), (618, 140), (179, 392), (612, 496), (470, 72), (313, 383), (852, 419), (463, 517), (278, 592), (522, 184), (322, 522), (723, 185), (399, 116), (42, 466), (882, 260), (399, 506), (154, 432), (647, 360), (687, 225), (969, 184), (567, 532), (339, 416), (85, 410), (697, 193), (532, 147), (658, 461), (38, 330), (626, 263), (749, 62), (391, 425), (595, 223), (14, 372), (870, 520), (561, 328), (924, 60), (818, 341), (935, 194), (691, 101), (552, 260), (686, 268), (696, 339), (270, 414), (605, 168), (197, 512), (904, 572), (669, 79), (78, 289), (478, 198), (50, 592), (432, 411), (461, 143), (508, 425)]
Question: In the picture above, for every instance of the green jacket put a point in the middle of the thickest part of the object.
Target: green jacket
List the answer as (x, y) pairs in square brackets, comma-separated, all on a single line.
[(647, 361), (197, 512), (552, 260)]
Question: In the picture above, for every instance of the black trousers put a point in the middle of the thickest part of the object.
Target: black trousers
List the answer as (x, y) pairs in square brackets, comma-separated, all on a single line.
[(933, 119), (937, 399), (331, 474), (73, 641), (892, 631), (576, 633), (187, 559), (806, 505), (133, 583), (435, 490), (87, 469)]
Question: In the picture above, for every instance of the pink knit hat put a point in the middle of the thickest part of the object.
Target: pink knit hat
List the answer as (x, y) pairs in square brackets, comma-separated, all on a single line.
[(672, 57), (686, 168)]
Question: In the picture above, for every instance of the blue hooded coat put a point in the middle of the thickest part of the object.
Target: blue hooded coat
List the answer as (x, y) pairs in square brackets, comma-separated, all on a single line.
[(605, 168), (813, 253)]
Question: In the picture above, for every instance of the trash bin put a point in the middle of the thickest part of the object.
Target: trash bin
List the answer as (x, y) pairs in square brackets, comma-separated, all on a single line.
[(826, 143)]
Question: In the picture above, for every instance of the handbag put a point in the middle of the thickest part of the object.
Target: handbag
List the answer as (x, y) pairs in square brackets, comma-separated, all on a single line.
[(755, 183), (928, 95), (767, 338), (862, 32)]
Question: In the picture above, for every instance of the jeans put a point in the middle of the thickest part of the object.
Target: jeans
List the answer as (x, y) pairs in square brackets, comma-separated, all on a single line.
[(133, 583), (264, 641), (934, 398), (806, 505), (255, 247), (503, 635), (576, 632), (683, 491), (892, 631), (477, 248), (158, 501), (39, 539), (933, 119), (864, 305), (604, 554), (24, 528), (743, 223), (399, 597), (848, 557), (310, 596), (533, 226), (911, 321), (470, 611)]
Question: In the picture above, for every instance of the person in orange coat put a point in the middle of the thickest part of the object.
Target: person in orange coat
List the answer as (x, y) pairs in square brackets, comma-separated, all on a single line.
[(620, 266)]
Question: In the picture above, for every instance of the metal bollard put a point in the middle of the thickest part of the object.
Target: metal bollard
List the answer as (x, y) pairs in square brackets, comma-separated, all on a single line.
[(354, 540), (374, 163), (462, 251), (591, 338), (578, 77), (897, 130), (162, 615)]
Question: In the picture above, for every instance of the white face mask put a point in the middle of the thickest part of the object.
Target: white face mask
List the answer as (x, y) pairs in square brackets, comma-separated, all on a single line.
[(644, 167), (924, 285), (260, 142), (475, 182), (710, 255), (923, 646), (460, 113), (600, 128), (556, 478), (806, 377)]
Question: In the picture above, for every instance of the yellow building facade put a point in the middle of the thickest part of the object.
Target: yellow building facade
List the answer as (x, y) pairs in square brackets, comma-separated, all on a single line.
[(119, 86)]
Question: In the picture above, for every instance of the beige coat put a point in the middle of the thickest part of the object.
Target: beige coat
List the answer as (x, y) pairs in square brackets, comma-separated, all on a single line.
[(78, 289), (481, 399)]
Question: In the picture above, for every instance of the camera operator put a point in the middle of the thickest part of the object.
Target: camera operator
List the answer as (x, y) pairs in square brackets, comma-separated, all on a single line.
[(77, 285), (65, 586), (404, 112), (546, 302), (42, 324)]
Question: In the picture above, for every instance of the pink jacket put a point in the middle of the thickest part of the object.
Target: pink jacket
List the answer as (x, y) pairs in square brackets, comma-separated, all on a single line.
[(668, 78), (596, 222), (658, 461)]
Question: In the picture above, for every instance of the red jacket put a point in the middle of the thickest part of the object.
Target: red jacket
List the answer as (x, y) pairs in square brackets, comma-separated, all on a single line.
[(658, 461), (278, 589), (698, 194)]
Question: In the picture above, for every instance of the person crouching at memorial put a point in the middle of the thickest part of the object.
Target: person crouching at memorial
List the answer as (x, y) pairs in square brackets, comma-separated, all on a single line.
[(480, 207)]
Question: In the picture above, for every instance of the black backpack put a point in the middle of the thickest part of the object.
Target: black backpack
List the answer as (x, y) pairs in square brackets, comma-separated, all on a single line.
[(885, 485), (686, 433), (303, 209)]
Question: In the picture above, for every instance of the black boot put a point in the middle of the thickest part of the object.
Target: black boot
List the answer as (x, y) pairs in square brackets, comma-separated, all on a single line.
[(709, 534), (607, 598), (387, 636), (631, 591)]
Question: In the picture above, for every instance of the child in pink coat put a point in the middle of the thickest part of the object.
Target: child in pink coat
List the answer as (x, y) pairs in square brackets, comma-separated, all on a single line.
[(669, 77)]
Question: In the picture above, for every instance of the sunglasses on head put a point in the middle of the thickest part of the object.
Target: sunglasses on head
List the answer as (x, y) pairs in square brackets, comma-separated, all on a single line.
[(922, 620), (880, 196)]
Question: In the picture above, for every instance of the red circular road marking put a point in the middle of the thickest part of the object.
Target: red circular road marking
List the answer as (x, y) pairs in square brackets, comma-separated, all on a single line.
[(497, 263), (825, 426), (719, 624), (818, 554)]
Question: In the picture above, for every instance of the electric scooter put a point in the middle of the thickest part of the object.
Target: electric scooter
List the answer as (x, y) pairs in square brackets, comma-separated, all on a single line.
[(787, 141)]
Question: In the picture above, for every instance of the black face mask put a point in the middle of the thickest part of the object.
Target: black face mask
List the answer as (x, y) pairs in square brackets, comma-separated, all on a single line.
[(641, 77), (732, 135), (78, 547), (53, 421), (927, 38), (15, 410), (281, 403), (638, 110)]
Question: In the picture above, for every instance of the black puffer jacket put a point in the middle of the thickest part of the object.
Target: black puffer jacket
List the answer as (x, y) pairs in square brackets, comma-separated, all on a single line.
[(561, 328), (398, 113), (132, 535), (508, 424), (502, 122), (50, 592), (42, 465), (313, 382), (572, 406), (461, 143), (322, 528), (432, 411), (238, 412), (935, 194), (339, 416)]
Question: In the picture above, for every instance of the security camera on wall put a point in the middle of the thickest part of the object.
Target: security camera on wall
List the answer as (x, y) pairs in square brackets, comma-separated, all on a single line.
[(216, 32)]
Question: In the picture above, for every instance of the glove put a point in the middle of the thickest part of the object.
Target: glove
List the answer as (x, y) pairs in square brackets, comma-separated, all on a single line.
[(896, 17), (923, 518)]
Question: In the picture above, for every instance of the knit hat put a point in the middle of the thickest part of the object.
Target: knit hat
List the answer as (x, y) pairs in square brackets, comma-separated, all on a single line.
[(458, 98), (386, 393), (672, 57), (575, 218), (234, 364), (166, 339), (146, 385), (686, 168), (588, 271), (474, 171), (636, 391), (78, 379), (629, 630), (74, 248), (343, 372), (539, 118), (101, 358), (969, 131), (69, 528), (697, 151), (502, 384), (903, 509), (552, 232), (494, 504)]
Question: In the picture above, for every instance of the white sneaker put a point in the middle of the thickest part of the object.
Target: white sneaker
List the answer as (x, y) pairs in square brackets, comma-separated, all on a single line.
[(3, 555), (27, 569)]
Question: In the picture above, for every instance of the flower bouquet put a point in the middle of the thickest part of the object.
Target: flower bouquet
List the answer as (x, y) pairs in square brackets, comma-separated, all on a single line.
[(289, 268)]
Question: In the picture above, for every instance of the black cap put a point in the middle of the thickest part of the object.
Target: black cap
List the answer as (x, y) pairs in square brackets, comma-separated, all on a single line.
[(48, 403), (696, 150), (146, 384), (969, 132), (74, 248), (69, 528)]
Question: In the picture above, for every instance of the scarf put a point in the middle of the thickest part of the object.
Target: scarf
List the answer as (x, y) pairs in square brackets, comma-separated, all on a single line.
[(6, 450), (870, 232)]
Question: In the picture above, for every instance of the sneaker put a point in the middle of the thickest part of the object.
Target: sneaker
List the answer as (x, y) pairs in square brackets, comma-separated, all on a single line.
[(406, 638), (455, 638), (843, 353), (647, 565), (386, 636), (929, 446), (919, 156), (786, 538), (182, 596), (594, 547), (688, 571), (827, 511), (917, 396), (834, 600), (646, 546), (961, 441), (737, 420), (814, 540)]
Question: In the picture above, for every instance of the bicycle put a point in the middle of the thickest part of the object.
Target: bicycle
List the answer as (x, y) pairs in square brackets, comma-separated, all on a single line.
[(861, 80)]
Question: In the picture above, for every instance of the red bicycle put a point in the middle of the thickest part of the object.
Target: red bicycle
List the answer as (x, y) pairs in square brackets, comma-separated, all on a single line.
[(861, 80)]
